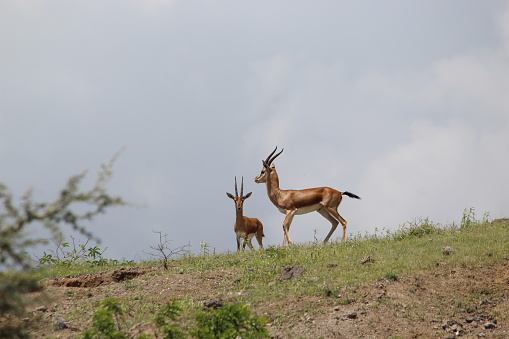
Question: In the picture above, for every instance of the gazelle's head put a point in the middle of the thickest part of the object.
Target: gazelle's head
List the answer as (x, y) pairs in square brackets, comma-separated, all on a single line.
[(239, 199), (267, 167)]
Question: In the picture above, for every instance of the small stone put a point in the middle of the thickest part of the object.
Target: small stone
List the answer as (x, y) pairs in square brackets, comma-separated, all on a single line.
[(41, 309), (213, 303), (352, 315), (290, 272), (489, 325), (469, 319), (448, 250), (367, 259), (60, 324)]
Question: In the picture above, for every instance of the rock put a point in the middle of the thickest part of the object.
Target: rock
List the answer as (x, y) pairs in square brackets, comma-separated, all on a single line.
[(448, 250), (41, 309), (213, 303), (290, 272), (469, 319), (60, 324), (489, 325), (367, 259), (352, 315)]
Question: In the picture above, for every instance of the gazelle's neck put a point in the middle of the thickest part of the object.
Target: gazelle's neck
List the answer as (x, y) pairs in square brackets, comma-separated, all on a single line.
[(272, 184), (239, 216)]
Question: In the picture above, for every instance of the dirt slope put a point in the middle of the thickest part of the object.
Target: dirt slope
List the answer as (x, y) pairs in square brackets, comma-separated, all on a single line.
[(447, 303)]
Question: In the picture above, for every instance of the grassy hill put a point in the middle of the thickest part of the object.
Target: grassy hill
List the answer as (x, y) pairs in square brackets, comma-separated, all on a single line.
[(423, 280)]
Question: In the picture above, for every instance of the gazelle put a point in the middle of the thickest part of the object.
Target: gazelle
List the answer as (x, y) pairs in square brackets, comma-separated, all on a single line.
[(244, 227), (324, 200)]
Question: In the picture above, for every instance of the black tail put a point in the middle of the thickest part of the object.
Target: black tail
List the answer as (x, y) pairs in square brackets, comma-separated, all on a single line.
[(351, 195)]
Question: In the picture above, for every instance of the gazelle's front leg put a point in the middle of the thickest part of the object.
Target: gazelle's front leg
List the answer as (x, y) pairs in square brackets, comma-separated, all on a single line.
[(286, 226), (247, 241), (238, 242)]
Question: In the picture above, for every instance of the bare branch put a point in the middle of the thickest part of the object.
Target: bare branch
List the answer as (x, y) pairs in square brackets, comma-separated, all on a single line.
[(164, 251)]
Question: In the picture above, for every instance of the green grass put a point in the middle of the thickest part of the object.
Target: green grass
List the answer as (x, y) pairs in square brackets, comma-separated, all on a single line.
[(406, 251), (394, 256), (329, 269)]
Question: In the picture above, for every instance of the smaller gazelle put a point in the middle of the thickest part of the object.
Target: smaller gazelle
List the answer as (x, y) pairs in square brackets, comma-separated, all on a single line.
[(244, 227)]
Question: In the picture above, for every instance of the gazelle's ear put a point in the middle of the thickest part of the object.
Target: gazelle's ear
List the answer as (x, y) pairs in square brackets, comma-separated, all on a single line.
[(248, 195), (230, 196)]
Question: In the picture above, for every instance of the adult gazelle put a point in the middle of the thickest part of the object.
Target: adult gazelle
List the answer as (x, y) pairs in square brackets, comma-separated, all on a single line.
[(324, 200)]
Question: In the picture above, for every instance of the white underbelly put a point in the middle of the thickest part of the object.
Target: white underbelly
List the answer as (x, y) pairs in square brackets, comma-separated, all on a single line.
[(242, 235), (304, 210)]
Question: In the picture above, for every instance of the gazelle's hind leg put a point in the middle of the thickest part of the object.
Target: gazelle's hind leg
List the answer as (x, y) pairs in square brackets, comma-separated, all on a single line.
[(335, 214), (327, 215), (286, 227), (259, 237)]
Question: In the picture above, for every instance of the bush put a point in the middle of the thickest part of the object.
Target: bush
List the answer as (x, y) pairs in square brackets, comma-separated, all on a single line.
[(171, 311), (417, 228), (14, 221), (105, 325), (229, 322)]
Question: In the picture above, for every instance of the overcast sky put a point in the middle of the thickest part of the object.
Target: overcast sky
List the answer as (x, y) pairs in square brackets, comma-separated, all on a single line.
[(404, 103)]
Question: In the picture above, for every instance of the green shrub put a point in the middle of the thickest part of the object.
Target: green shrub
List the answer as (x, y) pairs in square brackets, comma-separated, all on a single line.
[(105, 325), (172, 311), (15, 241), (229, 322), (391, 276), (417, 228)]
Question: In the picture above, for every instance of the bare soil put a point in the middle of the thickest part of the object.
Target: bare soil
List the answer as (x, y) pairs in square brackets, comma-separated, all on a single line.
[(446, 303)]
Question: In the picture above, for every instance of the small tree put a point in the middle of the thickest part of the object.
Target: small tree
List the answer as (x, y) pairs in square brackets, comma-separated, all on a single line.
[(15, 219), (165, 252)]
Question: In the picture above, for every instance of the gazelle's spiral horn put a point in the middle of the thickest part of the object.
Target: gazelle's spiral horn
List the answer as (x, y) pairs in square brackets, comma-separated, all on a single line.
[(268, 158), (274, 157)]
